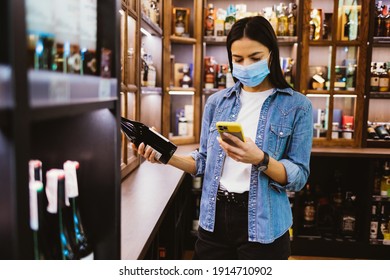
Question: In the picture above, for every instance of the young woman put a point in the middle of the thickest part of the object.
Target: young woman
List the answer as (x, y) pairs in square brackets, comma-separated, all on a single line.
[(245, 212)]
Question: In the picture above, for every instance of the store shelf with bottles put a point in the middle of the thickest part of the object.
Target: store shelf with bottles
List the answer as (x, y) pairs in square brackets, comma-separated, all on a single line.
[(333, 219), (180, 79), (377, 79), (333, 57), (218, 18), (78, 97)]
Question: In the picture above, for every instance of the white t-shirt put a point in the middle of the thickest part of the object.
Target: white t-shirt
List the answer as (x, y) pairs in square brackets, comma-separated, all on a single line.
[(236, 175)]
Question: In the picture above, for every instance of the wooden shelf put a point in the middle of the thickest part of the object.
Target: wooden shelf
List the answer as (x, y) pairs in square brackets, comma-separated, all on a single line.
[(150, 26), (221, 40), (381, 41), (151, 90), (182, 40), (53, 89), (350, 152), (379, 95)]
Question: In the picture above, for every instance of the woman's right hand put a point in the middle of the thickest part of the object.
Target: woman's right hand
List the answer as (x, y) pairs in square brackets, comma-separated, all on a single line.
[(146, 152)]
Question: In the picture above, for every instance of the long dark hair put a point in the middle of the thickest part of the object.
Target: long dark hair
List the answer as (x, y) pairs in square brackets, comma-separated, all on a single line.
[(258, 29)]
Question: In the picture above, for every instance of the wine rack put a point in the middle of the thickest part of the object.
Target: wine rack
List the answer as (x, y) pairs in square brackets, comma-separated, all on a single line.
[(54, 117)]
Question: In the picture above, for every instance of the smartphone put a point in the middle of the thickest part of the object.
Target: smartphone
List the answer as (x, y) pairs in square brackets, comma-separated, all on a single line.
[(233, 128)]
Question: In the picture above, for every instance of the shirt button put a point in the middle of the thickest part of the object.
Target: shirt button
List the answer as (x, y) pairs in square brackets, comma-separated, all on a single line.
[(216, 178), (220, 155), (281, 133)]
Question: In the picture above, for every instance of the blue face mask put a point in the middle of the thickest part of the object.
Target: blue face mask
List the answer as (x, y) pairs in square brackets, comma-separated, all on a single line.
[(253, 74)]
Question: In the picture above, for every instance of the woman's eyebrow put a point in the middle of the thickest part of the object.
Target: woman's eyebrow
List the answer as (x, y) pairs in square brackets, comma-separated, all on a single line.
[(251, 55)]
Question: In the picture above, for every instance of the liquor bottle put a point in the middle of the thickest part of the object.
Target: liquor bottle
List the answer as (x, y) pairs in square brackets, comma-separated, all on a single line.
[(182, 127), (230, 18), (67, 33), (348, 217), (221, 78), (337, 201), (151, 78), (385, 180), (179, 25), (40, 34), (309, 211), (79, 236), (372, 133), (379, 20), (88, 36), (325, 215), (315, 25), (382, 132), (383, 223), (62, 248), (384, 79), (387, 24), (36, 203), (374, 224), (292, 20), (209, 75), (139, 133), (209, 21), (282, 29), (374, 80), (37, 210), (186, 80)]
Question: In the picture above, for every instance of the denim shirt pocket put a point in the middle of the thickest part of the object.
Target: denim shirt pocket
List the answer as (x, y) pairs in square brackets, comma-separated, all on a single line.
[(278, 139)]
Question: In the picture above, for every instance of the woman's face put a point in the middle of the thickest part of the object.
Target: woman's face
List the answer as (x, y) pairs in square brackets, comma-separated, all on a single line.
[(246, 51)]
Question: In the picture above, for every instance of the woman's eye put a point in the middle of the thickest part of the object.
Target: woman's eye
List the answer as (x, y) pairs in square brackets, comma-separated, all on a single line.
[(238, 60), (256, 58)]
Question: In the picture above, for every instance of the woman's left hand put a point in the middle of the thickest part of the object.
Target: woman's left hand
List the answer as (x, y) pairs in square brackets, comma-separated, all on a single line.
[(246, 152)]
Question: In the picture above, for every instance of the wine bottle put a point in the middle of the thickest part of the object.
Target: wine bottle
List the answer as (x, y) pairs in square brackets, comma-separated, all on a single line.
[(309, 211), (348, 217), (88, 36), (383, 223), (36, 194), (82, 243), (38, 203), (374, 224), (382, 132), (62, 248), (209, 21), (372, 133), (139, 133), (385, 180), (40, 34)]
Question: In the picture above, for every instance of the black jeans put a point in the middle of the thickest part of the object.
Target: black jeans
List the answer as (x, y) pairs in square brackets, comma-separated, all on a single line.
[(229, 241)]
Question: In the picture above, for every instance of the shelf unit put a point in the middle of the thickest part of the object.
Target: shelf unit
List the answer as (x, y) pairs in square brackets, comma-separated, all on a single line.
[(57, 117), (339, 61), (183, 50), (377, 103), (214, 46)]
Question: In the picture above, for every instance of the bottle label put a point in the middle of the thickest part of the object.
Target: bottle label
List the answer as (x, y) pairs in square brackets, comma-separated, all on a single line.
[(309, 213), (348, 223), (374, 230), (158, 154), (374, 81)]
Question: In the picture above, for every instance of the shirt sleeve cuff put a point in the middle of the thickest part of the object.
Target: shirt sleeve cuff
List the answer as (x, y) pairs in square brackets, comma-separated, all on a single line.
[(199, 163), (292, 171)]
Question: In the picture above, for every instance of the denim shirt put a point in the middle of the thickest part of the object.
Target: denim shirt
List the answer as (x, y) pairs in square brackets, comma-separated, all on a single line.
[(284, 131)]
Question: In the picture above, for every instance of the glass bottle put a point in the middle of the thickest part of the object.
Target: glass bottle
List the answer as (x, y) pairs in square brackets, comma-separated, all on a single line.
[(374, 224), (67, 32), (186, 80), (384, 79), (40, 34), (383, 222), (282, 29), (230, 18), (209, 73), (222, 76), (385, 181), (78, 234), (88, 36), (62, 248), (348, 217), (309, 211), (382, 132), (371, 133), (378, 20), (292, 20), (179, 25), (374, 80), (209, 21)]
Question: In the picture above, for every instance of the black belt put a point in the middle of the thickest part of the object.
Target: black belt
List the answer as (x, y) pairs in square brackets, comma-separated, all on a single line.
[(234, 198)]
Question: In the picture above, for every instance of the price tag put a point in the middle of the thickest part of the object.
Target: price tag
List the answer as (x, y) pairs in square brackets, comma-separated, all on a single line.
[(104, 88)]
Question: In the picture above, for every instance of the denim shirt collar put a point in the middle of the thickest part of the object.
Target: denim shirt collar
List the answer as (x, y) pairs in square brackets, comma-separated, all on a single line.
[(237, 89)]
